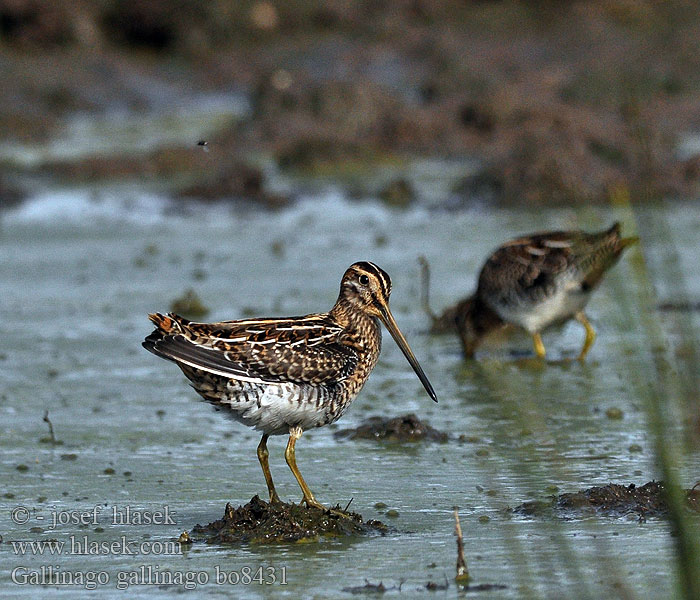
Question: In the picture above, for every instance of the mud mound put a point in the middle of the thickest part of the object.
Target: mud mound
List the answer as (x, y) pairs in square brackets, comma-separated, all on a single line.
[(262, 523), (614, 500), (407, 428)]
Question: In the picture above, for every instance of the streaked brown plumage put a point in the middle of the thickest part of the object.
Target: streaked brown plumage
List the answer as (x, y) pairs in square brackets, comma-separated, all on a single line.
[(536, 281), (286, 375)]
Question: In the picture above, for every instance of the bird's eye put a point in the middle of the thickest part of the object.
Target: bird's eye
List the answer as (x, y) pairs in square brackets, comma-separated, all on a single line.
[(364, 280)]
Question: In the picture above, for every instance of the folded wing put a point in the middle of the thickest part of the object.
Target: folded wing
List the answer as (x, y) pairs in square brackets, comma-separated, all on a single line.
[(301, 350)]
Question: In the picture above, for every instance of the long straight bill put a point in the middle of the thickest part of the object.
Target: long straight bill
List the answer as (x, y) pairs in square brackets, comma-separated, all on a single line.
[(388, 320)]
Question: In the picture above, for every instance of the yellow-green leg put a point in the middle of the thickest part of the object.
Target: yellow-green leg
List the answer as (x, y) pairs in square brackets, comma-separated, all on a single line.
[(262, 457), (539, 346), (294, 435), (590, 334)]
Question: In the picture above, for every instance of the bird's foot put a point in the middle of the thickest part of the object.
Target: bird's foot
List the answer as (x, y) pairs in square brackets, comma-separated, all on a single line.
[(312, 502)]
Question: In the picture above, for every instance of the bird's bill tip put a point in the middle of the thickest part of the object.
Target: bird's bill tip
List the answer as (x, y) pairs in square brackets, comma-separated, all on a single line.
[(388, 320)]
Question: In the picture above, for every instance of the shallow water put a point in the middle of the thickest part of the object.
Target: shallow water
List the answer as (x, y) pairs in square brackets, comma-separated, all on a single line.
[(82, 268)]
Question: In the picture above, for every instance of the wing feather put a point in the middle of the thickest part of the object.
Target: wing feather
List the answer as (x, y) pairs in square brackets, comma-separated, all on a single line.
[(299, 349)]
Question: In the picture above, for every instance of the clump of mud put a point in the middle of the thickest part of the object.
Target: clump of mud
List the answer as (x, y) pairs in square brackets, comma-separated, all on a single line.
[(407, 428), (189, 305), (260, 522), (613, 500)]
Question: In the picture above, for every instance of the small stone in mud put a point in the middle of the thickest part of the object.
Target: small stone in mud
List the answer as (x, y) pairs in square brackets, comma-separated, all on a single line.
[(264, 523), (184, 538), (614, 413), (108, 471), (22, 468), (189, 305), (407, 428)]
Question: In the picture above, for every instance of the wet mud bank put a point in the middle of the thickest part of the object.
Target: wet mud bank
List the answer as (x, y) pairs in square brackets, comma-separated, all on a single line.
[(612, 500), (260, 522), (406, 428)]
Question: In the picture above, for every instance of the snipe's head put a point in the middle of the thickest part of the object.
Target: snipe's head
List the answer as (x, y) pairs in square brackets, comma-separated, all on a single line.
[(474, 321), (366, 288)]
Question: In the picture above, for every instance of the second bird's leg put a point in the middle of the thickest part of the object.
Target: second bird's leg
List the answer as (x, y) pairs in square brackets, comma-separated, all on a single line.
[(289, 455), (539, 346), (262, 457), (590, 334)]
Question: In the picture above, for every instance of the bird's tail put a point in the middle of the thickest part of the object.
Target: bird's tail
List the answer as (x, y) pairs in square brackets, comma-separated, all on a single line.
[(166, 325), (169, 324)]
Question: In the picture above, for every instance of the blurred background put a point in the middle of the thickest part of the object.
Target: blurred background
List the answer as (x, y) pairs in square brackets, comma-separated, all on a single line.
[(556, 102), (230, 159)]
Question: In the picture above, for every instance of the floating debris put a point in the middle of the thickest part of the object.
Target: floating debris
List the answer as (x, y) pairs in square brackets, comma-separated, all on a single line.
[(260, 522), (370, 588), (407, 428), (612, 500), (679, 307), (431, 586)]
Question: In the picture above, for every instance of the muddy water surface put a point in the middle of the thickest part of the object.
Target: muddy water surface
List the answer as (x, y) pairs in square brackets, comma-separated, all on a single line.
[(81, 269)]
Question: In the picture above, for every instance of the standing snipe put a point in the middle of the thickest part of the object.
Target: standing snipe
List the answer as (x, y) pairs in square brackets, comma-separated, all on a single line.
[(536, 281), (283, 376)]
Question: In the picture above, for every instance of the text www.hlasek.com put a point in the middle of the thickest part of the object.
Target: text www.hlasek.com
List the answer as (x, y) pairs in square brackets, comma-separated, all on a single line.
[(82, 545), (148, 575)]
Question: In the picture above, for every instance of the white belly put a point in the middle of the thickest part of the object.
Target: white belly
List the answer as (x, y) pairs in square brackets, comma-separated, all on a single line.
[(561, 306), (274, 408)]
